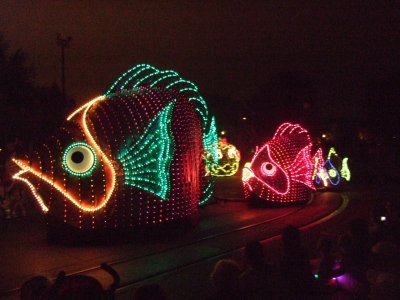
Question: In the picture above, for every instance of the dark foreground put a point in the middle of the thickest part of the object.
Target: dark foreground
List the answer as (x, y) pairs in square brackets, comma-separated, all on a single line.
[(179, 259)]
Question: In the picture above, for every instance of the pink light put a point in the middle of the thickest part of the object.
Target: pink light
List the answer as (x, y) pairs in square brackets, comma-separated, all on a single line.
[(282, 169)]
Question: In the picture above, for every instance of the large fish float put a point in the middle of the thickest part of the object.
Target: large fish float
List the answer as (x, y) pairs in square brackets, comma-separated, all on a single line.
[(132, 157)]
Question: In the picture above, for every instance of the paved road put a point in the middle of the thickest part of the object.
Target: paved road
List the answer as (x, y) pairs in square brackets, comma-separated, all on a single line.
[(176, 259)]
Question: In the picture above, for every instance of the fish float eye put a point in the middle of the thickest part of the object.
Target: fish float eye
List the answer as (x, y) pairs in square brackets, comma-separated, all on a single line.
[(231, 153), (268, 169), (332, 173), (219, 154), (79, 159)]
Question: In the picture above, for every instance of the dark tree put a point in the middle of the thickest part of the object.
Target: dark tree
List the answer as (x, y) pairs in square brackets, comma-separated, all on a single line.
[(28, 112)]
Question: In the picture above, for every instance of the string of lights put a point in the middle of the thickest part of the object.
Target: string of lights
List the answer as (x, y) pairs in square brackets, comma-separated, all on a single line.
[(134, 156)]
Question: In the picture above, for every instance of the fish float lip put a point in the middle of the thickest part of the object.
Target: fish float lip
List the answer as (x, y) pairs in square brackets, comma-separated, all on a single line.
[(25, 168), (247, 174), (17, 176)]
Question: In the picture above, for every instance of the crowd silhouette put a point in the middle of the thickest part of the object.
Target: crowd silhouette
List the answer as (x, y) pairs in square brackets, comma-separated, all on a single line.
[(360, 263)]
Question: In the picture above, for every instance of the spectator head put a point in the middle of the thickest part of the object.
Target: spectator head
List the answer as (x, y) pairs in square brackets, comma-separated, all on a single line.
[(225, 276), (254, 253), (35, 288), (77, 287), (150, 292), (291, 237)]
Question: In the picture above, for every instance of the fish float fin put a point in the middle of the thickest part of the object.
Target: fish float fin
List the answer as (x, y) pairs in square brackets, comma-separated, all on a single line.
[(289, 129), (149, 76), (345, 171), (293, 138), (211, 145), (146, 164), (302, 167)]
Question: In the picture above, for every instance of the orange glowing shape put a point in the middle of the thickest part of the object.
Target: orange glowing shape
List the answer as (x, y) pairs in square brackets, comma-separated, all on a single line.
[(109, 169)]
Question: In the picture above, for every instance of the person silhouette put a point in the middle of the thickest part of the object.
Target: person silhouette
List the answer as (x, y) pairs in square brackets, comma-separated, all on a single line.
[(296, 278), (257, 280), (225, 279)]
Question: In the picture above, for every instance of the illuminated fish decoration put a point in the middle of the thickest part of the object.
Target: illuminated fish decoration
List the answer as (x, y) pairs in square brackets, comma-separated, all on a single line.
[(228, 160), (282, 169), (133, 156), (334, 170)]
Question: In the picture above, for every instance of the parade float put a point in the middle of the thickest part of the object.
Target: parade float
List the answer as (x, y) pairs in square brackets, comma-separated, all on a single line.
[(135, 156), (228, 160), (281, 171)]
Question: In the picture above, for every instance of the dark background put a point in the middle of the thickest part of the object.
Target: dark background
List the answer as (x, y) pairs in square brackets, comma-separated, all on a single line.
[(332, 67)]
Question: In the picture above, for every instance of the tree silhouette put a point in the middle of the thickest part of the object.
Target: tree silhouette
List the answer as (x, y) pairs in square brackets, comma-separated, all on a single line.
[(28, 112)]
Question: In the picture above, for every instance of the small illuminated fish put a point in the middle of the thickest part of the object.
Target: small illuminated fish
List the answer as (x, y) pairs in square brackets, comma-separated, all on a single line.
[(328, 175), (282, 169), (333, 171), (130, 157), (228, 160)]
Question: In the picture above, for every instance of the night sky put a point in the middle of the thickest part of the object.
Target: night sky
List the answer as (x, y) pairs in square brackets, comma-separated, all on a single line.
[(225, 47)]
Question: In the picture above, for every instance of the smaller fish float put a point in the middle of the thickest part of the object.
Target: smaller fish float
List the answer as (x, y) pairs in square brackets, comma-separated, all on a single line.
[(281, 171), (228, 160)]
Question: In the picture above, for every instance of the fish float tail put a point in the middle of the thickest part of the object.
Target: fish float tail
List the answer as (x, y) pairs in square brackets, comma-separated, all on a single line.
[(345, 170), (302, 167)]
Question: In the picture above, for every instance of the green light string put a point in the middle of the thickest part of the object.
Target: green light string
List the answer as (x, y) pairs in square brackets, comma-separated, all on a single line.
[(207, 193), (147, 163), (147, 75)]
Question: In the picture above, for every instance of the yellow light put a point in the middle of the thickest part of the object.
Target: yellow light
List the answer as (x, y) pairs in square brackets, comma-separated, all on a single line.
[(228, 160), (324, 135), (244, 118), (223, 132), (247, 173), (332, 151)]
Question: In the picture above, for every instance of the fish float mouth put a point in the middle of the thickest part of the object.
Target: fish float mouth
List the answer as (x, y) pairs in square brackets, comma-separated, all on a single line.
[(247, 174), (25, 168), (227, 169)]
